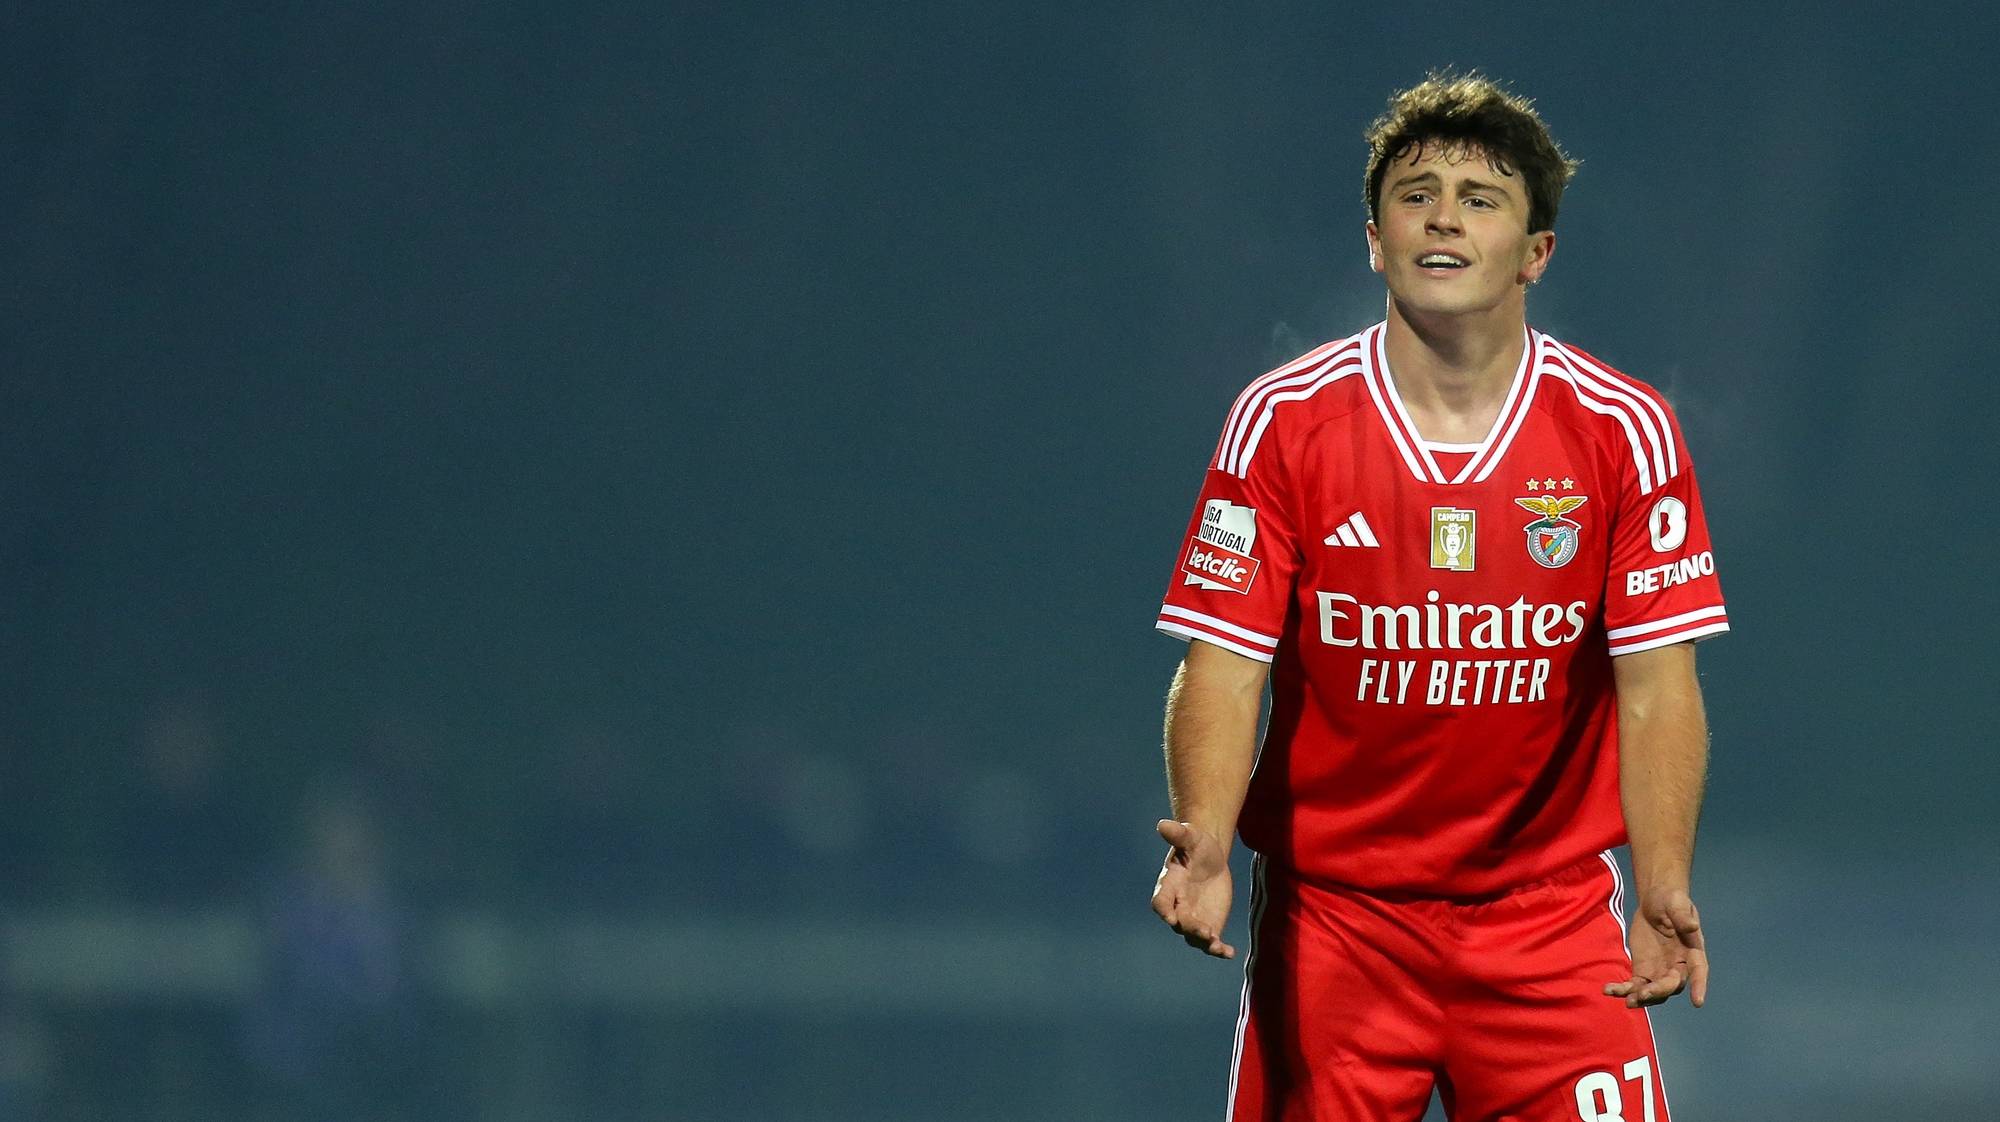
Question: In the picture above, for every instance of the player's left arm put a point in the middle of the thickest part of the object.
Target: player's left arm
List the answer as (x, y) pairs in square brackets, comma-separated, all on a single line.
[(1662, 763), (1661, 594)]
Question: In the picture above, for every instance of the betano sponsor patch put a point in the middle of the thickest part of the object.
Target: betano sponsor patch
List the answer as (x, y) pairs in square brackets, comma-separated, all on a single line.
[(1640, 582), (1218, 556)]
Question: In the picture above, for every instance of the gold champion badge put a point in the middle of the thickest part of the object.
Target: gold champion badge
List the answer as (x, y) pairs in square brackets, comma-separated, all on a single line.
[(1451, 539)]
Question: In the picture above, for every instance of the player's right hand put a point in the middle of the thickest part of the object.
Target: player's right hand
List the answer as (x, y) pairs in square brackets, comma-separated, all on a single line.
[(1192, 894)]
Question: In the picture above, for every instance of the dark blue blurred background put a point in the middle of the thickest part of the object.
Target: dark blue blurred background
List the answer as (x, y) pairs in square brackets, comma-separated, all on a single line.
[(597, 562)]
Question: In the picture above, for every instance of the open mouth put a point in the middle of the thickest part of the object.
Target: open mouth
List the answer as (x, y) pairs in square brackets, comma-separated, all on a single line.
[(1442, 261)]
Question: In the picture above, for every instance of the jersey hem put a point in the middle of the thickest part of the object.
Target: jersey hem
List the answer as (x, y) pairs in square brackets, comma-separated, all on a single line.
[(1188, 633), (1649, 643), (1256, 638), (1712, 612)]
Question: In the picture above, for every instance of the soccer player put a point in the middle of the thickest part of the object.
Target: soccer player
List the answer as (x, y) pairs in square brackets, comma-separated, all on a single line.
[(1473, 563)]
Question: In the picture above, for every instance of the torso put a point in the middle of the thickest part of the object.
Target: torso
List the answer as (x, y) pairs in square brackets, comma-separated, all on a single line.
[(1442, 719)]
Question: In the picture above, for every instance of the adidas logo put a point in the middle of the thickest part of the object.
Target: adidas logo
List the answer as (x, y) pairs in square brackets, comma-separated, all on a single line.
[(1353, 533)]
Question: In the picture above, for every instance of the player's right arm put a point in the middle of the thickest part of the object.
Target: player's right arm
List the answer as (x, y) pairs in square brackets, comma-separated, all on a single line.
[(1211, 744), (1228, 598)]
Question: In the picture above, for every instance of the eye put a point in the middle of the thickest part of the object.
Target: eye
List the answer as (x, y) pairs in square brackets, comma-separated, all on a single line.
[(1416, 197), (1481, 202)]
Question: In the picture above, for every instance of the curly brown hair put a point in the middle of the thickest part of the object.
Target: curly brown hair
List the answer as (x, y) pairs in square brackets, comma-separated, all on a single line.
[(1467, 112)]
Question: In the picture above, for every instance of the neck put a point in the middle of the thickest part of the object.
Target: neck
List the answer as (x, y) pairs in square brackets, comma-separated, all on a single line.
[(1453, 372)]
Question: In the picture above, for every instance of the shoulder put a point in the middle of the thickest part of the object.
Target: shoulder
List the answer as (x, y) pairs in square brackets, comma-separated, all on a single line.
[(1319, 384), (1626, 415)]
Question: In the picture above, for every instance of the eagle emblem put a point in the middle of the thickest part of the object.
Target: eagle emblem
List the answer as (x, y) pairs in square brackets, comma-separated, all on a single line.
[(1552, 538)]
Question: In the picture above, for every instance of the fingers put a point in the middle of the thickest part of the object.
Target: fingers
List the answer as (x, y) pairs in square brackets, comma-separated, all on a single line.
[(1169, 897), (1669, 955), (1687, 921), (1201, 939), (1167, 889), (1212, 947), (1173, 875), (1179, 834), (1208, 943), (1190, 928), (1640, 990), (1178, 914), (1171, 900), (1685, 924), (1681, 924), (1656, 990)]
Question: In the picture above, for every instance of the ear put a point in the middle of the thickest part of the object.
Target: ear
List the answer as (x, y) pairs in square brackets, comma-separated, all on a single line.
[(1374, 247), (1541, 247)]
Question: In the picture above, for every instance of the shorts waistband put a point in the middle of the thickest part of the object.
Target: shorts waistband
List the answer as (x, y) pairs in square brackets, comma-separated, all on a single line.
[(1574, 873)]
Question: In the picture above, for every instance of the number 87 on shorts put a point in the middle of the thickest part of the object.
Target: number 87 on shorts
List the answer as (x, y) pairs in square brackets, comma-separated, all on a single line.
[(1600, 1096)]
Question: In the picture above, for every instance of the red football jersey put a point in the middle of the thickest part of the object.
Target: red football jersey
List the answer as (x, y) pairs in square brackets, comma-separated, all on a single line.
[(1442, 619)]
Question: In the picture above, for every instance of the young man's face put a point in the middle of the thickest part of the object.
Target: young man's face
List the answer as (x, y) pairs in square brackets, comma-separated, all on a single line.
[(1452, 237)]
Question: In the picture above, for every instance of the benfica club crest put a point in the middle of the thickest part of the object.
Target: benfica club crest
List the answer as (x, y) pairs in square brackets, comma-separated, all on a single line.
[(1552, 539)]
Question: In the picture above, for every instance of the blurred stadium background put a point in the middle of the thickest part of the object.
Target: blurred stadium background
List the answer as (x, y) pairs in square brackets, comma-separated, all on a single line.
[(596, 561)]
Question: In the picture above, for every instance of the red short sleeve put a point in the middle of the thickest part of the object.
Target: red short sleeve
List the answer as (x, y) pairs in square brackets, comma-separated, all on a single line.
[(1232, 581), (1661, 586)]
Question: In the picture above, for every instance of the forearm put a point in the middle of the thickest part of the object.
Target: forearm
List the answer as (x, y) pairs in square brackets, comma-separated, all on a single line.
[(1211, 743), (1663, 763)]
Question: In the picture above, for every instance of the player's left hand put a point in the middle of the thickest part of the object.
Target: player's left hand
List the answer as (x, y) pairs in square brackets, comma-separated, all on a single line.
[(1668, 953)]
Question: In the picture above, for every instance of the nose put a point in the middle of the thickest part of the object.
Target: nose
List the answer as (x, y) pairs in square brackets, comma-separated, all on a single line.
[(1442, 218)]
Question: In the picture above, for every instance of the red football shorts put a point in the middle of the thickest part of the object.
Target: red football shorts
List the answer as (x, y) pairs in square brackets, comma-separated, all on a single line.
[(1354, 1006)]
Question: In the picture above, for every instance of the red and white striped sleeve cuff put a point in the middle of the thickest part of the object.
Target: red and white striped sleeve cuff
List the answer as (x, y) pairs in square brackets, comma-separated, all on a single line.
[(1699, 624), (1184, 624)]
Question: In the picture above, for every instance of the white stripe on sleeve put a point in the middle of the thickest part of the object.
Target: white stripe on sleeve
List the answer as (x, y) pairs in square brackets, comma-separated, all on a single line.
[(1190, 633), (1670, 621), (1670, 638)]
